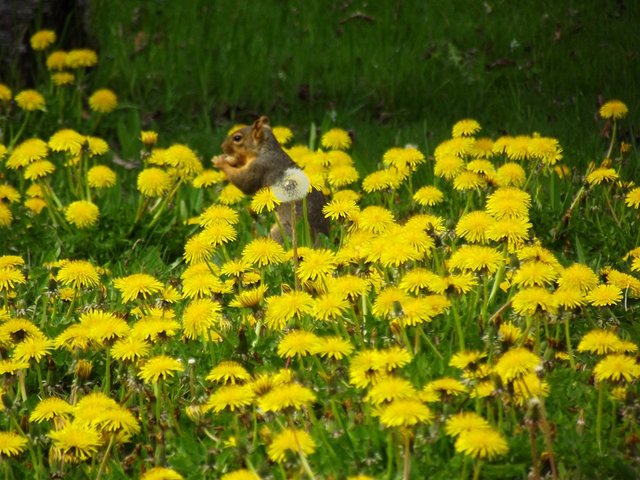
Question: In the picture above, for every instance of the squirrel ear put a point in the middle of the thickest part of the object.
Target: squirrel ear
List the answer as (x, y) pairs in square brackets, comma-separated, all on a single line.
[(258, 125)]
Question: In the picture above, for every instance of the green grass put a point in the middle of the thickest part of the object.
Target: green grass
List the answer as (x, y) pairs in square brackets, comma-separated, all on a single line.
[(536, 67)]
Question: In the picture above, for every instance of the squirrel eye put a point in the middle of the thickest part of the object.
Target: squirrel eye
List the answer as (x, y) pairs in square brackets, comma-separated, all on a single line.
[(237, 138)]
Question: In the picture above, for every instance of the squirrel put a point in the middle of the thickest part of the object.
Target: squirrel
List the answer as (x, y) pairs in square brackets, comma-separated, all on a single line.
[(253, 159)]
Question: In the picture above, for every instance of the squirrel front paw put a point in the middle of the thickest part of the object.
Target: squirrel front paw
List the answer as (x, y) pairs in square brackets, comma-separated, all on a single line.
[(221, 161)]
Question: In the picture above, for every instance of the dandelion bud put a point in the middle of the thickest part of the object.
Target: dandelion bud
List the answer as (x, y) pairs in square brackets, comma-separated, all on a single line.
[(194, 412), (83, 369), (149, 138)]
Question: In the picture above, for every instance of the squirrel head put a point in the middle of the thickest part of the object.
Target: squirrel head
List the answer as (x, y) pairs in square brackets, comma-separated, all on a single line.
[(246, 138)]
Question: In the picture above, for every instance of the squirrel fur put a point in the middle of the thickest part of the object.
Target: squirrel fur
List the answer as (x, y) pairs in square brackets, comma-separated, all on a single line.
[(253, 159)]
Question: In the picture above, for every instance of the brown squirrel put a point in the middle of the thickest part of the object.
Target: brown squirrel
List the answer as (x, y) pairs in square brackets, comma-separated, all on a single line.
[(254, 159)]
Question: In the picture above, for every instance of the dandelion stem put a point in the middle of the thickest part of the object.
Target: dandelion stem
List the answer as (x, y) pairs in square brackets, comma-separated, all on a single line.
[(107, 373), (601, 393), (477, 466), (613, 139), (572, 362), (406, 471), (294, 246), (105, 457)]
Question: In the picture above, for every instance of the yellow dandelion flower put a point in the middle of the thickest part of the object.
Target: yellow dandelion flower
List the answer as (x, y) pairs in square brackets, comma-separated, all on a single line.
[(617, 367), (81, 58), (281, 309), (481, 443), (12, 444), (545, 149), (264, 199), (39, 169), (11, 261), (26, 152), (476, 258), (468, 180), (62, 79), (30, 100), (10, 277), (5, 93), (528, 301), (283, 134), (82, 213), (508, 202), (577, 276), (101, 176), (199, 318), (428, 196), (510, 175), (159, 367), (336, 139), (208, 178), (8, 192), (405, 412), (232, 397), (482, 148), (130, 349), (228, 372), (614, 109), (340, 208), (263, 251), (96, 146), (287, 395), (602, 175), (404, 159), (529, 386), (42, 39), (333, 347), (161, 473), (67, 140), (154, 182), (57, 60), (184, 160), (79, 441), (78, 274), (33, 348), (103, 101), (459, 147), (198, 248), (632, 199), (6, 216), (391, 388), (342, 175), (604, 295), (230, 195), (50, 408), (296, 441), (242, 474), (374, 219), (518, 148), (465, 128), (441, 389), (138, 285), (600, 342), (392, 358), (297, 343), (473, 226), (463, 422), (515, 363), (482, 167), (448, 167)]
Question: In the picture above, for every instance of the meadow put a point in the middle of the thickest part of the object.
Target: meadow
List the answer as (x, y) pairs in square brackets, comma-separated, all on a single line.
[(470, 315)]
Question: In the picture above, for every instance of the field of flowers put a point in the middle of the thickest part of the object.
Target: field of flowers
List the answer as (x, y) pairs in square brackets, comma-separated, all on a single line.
[(438, 332)]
